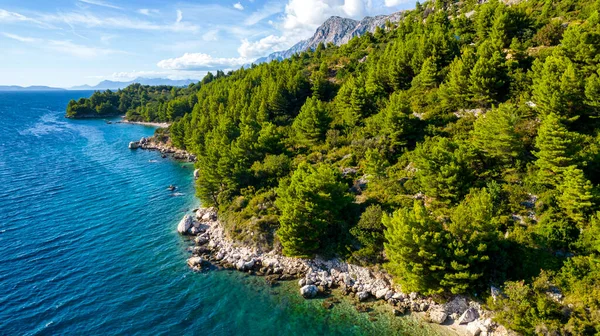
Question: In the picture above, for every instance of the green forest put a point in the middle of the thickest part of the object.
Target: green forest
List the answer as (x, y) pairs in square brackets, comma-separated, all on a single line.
[(458, 149)]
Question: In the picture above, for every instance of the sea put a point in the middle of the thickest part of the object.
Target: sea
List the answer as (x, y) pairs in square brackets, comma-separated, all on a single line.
[(88, 242)]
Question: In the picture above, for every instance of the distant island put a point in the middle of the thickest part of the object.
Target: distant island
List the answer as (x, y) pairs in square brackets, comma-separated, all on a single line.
[(14, 88), (104, 85)]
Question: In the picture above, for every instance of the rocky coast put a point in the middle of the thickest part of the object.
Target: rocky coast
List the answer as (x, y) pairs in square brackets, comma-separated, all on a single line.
[(318, 277), (165, 149), (213, 249)]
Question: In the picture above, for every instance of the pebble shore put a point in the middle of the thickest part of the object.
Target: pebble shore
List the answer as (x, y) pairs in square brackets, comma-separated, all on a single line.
[(317, 277)]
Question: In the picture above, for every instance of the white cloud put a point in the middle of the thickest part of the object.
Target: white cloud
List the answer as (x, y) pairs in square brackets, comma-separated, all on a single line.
[(90, 20), (262, 46), (65, 46), (100, 3), (211, 35), (148, 12), (266, 11), (20, 38), (12, 17), (238, 6), (200, 61)]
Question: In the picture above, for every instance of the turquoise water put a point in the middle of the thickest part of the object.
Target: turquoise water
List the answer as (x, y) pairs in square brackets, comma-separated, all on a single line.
[(88, 242)]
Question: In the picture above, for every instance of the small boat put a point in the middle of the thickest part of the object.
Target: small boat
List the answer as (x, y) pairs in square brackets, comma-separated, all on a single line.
[(172, 187)]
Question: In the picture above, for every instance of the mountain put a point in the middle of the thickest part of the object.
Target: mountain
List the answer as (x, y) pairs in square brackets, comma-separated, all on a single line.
[(13, 88), (114, 85), (336, 30)]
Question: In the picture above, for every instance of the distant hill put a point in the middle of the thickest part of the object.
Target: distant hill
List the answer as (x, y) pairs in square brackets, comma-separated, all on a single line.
[(12, 88), (114, 85), (336, 30)]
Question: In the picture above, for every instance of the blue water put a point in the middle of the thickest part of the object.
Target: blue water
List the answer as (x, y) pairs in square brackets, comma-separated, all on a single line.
[(88, 242)]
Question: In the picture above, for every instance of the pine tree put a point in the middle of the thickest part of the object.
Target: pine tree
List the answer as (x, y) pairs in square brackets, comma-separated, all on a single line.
[(427, 78), (414, 248), (443, 169), (473, 236), (554, 143), (487, 76), (311, 206), (592, 92), (494, 133), (455, 91), (311, 123), (575, 195), (557, 87)]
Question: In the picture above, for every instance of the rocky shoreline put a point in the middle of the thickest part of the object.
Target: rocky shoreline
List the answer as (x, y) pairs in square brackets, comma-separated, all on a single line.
[(212, 248), (151, 143)]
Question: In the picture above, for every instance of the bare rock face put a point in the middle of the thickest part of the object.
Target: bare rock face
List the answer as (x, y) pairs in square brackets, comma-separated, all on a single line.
[(336, 30)]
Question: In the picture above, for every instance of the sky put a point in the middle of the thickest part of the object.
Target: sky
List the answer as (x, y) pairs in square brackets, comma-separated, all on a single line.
[(63, 43)]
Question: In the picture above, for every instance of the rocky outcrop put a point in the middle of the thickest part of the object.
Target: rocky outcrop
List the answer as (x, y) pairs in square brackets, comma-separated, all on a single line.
[(319, 276), (165, 148)]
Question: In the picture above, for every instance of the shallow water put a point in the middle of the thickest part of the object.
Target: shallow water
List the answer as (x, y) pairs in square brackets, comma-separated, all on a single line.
[(88, 242)]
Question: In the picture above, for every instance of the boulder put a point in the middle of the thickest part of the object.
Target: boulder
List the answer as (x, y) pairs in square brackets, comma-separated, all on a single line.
[(196, 174), (309, 291), (134, 145), (363, 296), (243, 265), (185, 224), (474, 328), (437, 314), (413, 295), (209, 214), (195, 261), (468, 316), (380, 294), (201, 240)]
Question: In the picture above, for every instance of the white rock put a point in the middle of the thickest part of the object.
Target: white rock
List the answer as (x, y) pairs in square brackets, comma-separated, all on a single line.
[(195, 261), (469, 315), (380, 294), (399, 296), (437, 314), (309, 291), (388, 295), (134, 145), (363, 296), (184, 225), (196, 174), (302, 282), (413, 295), (474, 328)]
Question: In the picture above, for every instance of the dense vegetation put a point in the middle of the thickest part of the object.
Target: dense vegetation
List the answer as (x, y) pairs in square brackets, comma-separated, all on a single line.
[(458, 148)]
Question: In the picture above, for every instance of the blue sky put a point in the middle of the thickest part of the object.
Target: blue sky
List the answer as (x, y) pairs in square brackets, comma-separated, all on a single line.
[(72, 42)]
